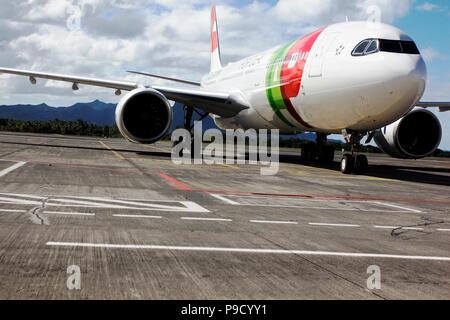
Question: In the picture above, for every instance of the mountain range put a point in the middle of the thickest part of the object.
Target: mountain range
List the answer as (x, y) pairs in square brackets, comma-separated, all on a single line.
[(95, 112)]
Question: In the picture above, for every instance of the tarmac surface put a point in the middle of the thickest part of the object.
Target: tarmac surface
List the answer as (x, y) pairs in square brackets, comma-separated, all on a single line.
[(139, 226)]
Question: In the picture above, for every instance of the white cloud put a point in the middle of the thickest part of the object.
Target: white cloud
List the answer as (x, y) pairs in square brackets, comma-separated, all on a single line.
[(428, 7), (326, 11), (430, 54), (165, 36)]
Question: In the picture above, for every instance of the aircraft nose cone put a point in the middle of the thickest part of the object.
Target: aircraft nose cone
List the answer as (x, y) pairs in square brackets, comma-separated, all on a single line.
[(407, 82), (418, 70)]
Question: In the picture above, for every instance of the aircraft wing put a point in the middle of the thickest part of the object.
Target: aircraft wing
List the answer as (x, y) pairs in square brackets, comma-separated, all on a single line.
[(443, 106), (218, 103)]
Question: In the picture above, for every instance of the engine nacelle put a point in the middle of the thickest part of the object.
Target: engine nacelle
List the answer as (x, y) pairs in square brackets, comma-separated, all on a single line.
[(415, 136), (144, 116)]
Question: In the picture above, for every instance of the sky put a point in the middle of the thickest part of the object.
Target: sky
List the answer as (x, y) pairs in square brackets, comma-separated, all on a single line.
[(104, 38)]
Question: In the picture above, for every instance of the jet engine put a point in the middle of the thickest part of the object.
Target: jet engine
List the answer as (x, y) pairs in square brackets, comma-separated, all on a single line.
[(144, 116), (415, 136)]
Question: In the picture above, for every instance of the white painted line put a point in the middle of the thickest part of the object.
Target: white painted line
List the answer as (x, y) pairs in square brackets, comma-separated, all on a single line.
[(22, 196), (402, 228), (136, 216), (318, 208), (303, 207), (226, 200), (273, 222), (193, 207), (398, 207), (140, 204), (334, 225), (69, 213), (8, 200), (444, 230), (12, 210), (386, 227), (206, 219), (12, 168), (246, 250), (187, 206)]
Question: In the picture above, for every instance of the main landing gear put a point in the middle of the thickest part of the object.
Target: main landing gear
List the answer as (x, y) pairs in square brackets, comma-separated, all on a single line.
[(354, 163), (319, 151)]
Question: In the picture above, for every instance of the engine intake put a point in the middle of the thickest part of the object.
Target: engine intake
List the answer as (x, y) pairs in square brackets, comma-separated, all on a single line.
[(144, 116), (415, 136)]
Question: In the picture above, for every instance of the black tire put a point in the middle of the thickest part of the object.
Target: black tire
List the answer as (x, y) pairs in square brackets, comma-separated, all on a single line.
[(362, 164), (309, 153), (326, 154), (347, 164)]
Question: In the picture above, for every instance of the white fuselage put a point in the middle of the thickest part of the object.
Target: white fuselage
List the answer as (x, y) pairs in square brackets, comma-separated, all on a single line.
[(316, 84)]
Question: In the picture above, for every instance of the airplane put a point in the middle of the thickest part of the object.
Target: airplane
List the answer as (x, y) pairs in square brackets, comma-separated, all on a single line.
[(350, 78)]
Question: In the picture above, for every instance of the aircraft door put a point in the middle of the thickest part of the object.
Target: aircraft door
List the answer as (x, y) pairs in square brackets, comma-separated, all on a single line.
[(319, 52)]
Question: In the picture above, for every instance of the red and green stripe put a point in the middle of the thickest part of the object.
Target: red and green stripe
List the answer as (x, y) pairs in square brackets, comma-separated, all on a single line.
[(273, 82), (284, 81)]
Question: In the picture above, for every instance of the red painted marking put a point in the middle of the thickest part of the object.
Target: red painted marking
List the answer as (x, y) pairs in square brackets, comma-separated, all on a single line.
[(178, 184), (214, 33), (291, 76)]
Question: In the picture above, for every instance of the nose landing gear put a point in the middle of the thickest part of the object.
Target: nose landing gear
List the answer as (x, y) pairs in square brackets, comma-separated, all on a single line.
[(354, 163)]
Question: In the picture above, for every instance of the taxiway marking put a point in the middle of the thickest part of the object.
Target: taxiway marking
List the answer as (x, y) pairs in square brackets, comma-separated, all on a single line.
[(226, 200), (12, 168), (398, 207), (136, 216), (444, 230), (178, 184), (69, 213), (386, 227), (334, 225), (207, 219), (246, 250), (12, 210), (157, 148), (102, 203), (117, 154), (273, 222)]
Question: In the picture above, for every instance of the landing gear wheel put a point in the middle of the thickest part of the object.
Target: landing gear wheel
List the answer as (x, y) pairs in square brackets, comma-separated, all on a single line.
[(309, 153), (347, 164), (326, 154), (362, 164)]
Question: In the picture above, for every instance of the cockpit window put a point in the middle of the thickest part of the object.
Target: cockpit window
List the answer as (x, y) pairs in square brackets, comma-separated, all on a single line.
[(409, 47), (390, 46), (371, 46), (361, 48)]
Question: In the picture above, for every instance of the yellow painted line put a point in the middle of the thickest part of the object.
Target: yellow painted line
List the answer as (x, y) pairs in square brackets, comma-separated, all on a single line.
[(150, 160), (228, 166), (117, 154), (157, 148)]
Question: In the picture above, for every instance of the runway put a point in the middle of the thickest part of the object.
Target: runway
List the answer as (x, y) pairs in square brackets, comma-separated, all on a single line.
[(142, 227)]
